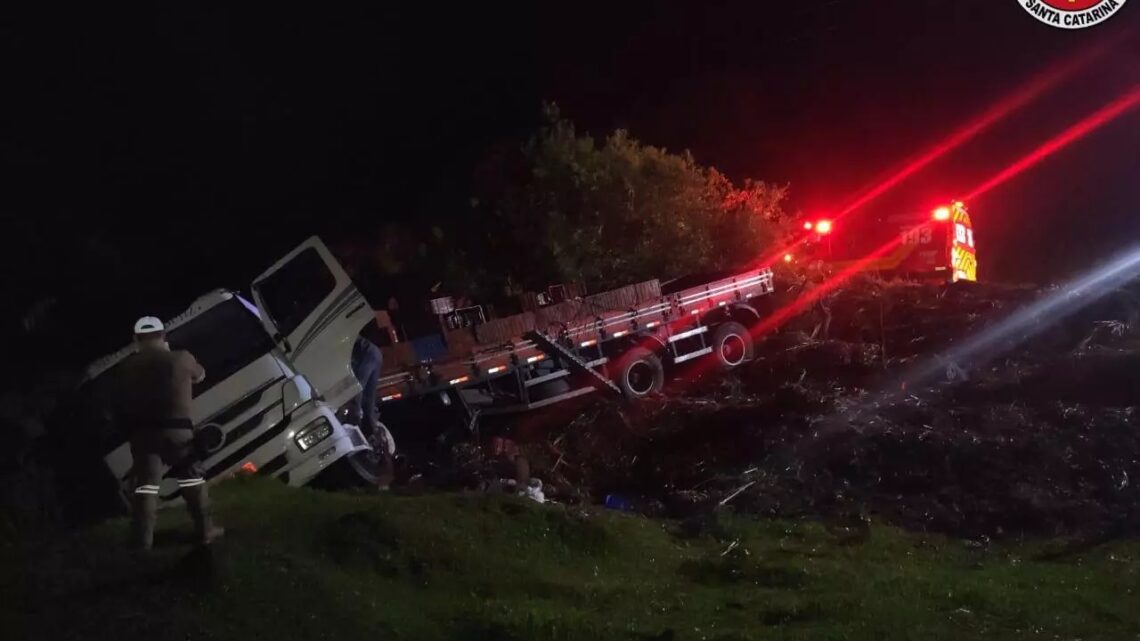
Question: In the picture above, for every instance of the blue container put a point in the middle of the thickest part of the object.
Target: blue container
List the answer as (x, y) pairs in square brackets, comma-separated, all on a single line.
[(618, 502), (429, 348)]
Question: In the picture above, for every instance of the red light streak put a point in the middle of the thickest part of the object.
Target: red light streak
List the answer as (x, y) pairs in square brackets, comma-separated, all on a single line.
[(802, 303), (1095, 121), (1022, 96)]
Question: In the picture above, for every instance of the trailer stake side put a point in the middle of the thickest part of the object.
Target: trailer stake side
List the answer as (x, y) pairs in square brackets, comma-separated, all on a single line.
[(617, 351)]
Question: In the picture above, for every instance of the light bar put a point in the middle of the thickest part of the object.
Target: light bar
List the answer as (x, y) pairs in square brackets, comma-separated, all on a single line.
[(695, 312), (391, 397), (589, 343), (461, 379), (652, 324), (496, 369), (620, 333), (535, 359)]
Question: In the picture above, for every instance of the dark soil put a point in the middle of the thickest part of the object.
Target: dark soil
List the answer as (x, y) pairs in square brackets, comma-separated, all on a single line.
[(1039, 438)]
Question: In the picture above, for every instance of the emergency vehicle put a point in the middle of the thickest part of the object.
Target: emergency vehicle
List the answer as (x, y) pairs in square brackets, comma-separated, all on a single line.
[(932, 246)]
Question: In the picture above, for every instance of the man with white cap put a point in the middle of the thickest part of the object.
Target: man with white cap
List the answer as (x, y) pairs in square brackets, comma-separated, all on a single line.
[(157, 393)]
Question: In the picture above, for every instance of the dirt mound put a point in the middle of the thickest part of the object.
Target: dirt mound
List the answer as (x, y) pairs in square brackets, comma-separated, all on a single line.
[(1040, 439)]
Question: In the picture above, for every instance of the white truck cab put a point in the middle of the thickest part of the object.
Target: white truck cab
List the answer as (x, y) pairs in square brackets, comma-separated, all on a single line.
[(276, 373)]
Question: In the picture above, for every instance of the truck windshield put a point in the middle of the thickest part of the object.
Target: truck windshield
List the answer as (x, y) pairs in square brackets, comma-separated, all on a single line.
[(224, 339)]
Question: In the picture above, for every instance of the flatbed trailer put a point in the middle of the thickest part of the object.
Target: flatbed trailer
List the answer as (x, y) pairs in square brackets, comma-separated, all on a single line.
[(618, 351)]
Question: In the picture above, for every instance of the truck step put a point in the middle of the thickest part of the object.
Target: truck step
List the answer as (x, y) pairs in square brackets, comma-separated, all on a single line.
[(553, 349)]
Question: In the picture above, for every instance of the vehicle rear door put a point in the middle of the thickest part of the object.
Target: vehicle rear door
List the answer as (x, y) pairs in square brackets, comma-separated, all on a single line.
[(314, 312)]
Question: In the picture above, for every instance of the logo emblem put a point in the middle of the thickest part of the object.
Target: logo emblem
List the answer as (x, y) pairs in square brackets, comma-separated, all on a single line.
[(1072, 14)]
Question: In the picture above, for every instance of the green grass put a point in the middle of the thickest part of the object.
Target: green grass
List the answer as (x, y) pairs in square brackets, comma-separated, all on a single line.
[(300, 564)]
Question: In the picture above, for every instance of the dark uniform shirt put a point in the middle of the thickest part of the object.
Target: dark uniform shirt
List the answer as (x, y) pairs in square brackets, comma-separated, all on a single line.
[(158, 385)]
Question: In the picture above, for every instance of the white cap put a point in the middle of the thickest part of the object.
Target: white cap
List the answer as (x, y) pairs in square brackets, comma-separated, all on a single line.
[(148, 325)]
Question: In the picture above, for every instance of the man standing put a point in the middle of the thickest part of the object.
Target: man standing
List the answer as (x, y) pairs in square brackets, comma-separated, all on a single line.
[(366, 363), (156, 396)]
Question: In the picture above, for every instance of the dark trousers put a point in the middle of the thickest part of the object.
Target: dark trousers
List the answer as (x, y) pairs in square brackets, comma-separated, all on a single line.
[(153, 449)]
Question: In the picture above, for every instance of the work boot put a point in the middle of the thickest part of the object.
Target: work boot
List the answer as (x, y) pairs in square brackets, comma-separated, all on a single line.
[(198, 504), (144, 515)]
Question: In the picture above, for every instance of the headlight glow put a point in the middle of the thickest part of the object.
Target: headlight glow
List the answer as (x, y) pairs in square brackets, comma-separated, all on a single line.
[(313, 433)]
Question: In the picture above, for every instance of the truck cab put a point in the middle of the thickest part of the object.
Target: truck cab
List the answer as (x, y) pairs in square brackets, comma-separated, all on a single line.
[(277, 370)]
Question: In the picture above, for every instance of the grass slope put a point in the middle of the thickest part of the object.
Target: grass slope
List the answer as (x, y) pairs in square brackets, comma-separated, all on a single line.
[(300, 564)]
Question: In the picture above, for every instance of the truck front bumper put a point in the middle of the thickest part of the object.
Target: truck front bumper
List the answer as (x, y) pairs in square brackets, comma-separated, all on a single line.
[(302, 466)]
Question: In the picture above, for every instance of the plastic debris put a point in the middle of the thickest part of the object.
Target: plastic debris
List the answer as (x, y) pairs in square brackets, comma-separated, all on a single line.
[(533, 491)]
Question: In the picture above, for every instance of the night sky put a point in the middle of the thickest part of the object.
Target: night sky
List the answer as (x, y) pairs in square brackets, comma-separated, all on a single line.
[(154, 154)]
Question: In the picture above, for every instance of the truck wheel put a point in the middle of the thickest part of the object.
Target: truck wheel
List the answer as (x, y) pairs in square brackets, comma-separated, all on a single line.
[(361, 469), (732, 345), (364, 469), (639, 373)]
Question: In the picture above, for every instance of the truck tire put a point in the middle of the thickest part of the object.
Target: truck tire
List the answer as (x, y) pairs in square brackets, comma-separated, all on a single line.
[(363, 469), (360, 469), (732, 345), (639, 373)]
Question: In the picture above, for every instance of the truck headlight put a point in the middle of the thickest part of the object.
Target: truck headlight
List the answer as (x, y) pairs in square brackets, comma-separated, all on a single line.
[(313, 433)]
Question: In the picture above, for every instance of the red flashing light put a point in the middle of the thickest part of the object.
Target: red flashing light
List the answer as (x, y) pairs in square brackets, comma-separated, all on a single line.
[(823, 227), (809, 225), (942, 213), (787, 258)]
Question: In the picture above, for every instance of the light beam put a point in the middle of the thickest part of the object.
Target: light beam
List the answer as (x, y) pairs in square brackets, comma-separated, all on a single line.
[(1096, 120), (1033, 319), (1022, 96)]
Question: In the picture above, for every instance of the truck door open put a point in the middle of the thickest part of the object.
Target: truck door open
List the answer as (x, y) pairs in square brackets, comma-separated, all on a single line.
[(314, 312)]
